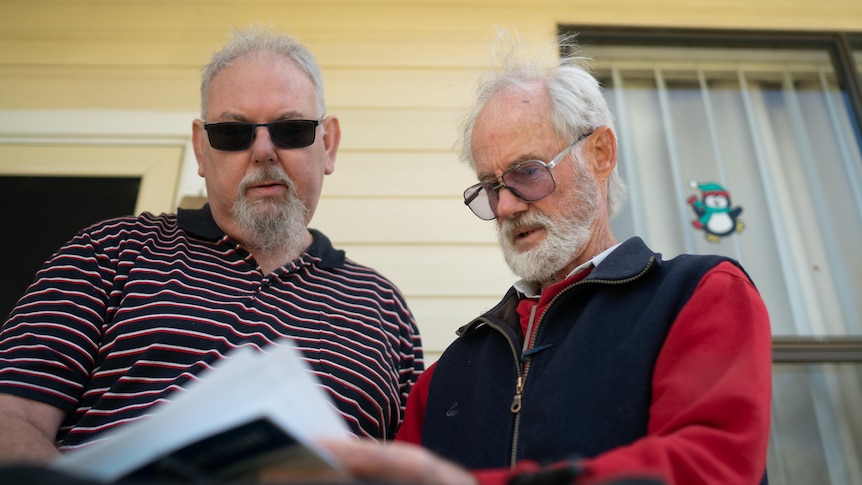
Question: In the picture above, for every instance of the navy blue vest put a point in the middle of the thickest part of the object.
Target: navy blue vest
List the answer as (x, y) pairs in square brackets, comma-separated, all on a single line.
[(588, 385)]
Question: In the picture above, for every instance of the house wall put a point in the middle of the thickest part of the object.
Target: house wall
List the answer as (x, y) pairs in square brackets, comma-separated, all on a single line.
[(398, 73)]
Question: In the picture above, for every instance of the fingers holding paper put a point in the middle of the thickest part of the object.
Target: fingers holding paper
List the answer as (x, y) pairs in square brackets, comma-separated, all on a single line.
[(396, 462)]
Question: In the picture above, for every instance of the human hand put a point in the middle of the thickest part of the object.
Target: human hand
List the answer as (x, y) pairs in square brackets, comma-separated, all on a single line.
[(401, 463)]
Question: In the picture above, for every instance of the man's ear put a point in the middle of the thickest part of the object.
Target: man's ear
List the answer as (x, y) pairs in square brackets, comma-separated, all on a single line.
[(331, 140), (199, 137), (603, 147)]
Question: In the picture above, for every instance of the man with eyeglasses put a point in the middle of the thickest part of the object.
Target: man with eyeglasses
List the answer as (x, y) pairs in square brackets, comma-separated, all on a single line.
[(605, 361), (133, 309)]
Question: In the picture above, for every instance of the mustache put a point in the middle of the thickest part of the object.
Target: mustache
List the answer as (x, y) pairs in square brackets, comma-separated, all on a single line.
[(265, 174), (510, 226)]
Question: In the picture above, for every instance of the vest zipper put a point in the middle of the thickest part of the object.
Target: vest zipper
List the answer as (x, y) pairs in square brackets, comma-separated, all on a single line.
[(519, 387), (522, 374), (516, 403), (516, 410)]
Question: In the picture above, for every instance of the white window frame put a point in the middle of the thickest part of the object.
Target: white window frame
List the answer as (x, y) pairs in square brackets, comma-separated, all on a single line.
[(163, 182)]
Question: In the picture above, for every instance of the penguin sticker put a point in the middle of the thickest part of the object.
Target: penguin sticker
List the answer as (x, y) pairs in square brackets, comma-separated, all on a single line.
[(714, 214)]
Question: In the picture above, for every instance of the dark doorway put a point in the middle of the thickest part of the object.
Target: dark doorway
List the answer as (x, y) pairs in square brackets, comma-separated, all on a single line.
[(39, 214)]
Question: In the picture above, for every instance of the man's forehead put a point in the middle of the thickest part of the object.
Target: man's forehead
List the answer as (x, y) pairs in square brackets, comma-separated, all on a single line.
[(512, 100), (511, 110), (250, 83), (511, 129)]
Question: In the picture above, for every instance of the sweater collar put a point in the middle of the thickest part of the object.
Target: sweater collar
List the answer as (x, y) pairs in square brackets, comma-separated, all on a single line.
[(629, 259), (530, 289), (625, 262)]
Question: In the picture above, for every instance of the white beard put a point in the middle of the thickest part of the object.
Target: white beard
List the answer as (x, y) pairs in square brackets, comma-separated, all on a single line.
[(564, 237)]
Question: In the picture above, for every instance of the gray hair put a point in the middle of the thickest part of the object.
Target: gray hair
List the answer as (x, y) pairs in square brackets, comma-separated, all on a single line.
[(577, 103), (259, 41)]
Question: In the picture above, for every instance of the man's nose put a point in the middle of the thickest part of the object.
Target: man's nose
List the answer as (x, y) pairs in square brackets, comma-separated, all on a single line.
[(508, 204), (263, 148)]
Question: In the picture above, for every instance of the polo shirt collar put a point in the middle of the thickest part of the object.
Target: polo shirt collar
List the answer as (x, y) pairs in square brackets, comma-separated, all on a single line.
[(200, 223)]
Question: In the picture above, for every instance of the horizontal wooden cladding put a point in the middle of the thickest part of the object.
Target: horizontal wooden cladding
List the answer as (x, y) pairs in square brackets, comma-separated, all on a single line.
[(345, 34), (69, 49), (403, 88), (189, 18), (402, 221), (392, 31), (439, 318), (333, 50), (377, 29), (98, 87), (816, 350), (158, 87), (438, 270), (403, 173), (394, 129)]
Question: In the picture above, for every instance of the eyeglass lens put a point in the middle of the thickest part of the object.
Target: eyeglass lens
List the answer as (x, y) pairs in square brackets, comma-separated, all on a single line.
[(529, 181), (238, 135)]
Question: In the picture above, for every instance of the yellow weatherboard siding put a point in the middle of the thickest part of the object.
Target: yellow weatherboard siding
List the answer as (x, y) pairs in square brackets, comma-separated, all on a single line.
[(147, 54), (397, 72)]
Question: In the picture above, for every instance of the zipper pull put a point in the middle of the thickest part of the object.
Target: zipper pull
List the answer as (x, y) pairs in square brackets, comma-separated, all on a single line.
[(516, 403)]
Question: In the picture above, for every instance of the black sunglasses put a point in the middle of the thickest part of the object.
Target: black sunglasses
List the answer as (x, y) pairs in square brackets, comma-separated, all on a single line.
[(233, 136)]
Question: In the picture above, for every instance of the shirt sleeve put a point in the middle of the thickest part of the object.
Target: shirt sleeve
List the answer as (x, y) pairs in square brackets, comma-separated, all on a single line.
[(710, 410)]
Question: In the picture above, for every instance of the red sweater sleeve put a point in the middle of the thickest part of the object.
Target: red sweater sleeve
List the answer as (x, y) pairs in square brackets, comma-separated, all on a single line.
[(414, 415), (411, 429), (712, 390)]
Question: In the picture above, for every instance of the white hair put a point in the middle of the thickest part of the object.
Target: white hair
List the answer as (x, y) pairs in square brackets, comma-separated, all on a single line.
[(577, 103)]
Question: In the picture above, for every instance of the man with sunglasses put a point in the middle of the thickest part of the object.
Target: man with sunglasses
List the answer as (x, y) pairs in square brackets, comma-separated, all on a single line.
[(605, 360), (133, 309)]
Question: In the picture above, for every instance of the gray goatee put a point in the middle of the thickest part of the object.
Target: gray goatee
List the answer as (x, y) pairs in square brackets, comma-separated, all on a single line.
[(272, 223)]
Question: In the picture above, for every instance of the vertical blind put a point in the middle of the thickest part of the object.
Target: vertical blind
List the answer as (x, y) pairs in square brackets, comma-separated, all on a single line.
[(774, 130)]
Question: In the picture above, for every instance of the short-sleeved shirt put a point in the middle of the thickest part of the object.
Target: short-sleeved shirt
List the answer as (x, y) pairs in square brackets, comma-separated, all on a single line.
[(133, 309)]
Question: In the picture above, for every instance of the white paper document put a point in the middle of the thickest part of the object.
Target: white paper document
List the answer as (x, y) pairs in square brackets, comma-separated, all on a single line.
[(251, 411)]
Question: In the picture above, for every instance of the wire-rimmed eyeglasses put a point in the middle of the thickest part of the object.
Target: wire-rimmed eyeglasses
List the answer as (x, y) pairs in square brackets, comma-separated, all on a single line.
[(529, 181)]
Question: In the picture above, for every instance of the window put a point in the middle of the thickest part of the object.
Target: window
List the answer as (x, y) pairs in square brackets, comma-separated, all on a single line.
[(63, 170), (771, 123), (816, 411), (45, 212)]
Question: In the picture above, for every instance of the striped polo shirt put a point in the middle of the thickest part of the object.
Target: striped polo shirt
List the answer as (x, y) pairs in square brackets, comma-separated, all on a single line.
[(133, 309)]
